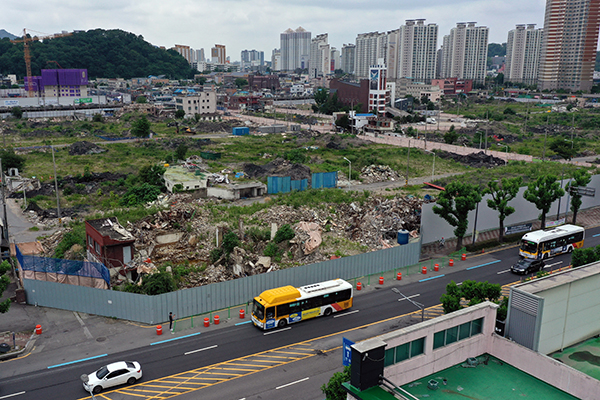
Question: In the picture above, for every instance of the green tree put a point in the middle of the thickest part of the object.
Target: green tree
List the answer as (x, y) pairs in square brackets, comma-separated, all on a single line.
[(472, 292), (4, 282), (563, 148), (241, 82), (284, 233), (343, 122), (181, 151), (321, 96), (230, 241), (333, 390), (451, 299), (158, 283), (454, 204), (179, 114), (152, 174), (11, 160), (581, 178), (502, 193), (296, 156), (542, 192), (17, 112), (140, 194), (141, 100), (141, 127), (450, 136)]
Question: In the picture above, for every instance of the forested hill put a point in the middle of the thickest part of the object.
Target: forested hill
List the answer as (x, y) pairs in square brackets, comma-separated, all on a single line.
[(105, 54)]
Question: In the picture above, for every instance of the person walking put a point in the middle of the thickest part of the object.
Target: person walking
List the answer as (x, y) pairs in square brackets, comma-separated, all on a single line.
[(171, 319)]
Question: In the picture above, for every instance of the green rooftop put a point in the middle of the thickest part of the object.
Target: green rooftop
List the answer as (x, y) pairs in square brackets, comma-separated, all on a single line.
[(487, 378), (584, 357)]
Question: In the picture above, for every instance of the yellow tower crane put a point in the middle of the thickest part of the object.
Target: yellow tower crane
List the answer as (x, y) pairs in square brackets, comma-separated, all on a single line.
[(25, 40)]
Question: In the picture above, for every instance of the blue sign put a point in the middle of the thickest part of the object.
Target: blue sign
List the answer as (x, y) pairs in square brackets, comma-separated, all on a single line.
[(270, 323), (347, 357)]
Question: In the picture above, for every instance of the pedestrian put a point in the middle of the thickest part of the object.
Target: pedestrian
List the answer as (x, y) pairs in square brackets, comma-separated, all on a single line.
[(171, 319), (442, 242)]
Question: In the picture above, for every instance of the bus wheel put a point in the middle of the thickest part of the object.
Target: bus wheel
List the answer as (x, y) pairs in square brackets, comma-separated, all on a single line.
[(328, 312), (570, 249), (282, 323)]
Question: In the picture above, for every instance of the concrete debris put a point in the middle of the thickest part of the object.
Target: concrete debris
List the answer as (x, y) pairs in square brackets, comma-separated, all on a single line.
[(477, 160), (83, 148), (313, 231), (378, 173)]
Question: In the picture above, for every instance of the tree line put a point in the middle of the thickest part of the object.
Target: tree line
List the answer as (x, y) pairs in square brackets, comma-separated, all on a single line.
[(104, 53)]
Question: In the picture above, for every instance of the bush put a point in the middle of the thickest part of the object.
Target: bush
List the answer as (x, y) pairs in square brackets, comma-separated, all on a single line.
[(230, 241), (273, 251), (284, 233), (333, 390), (98, 118), (258, 235), (215, 254), (158, 283), (141, 194), (296, 156), (75, 236)]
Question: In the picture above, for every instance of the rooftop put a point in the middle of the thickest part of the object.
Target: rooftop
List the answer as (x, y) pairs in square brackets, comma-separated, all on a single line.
[(583, 357), (110, 227), (559, 278)]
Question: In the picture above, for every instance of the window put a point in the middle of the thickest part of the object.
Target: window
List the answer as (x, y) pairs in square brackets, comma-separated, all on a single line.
[(404, 351), (438, 339), (457, 333)]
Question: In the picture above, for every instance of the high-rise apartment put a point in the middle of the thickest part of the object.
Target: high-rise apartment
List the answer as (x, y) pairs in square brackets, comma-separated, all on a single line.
[(336, 59), (295, 49), (218, 55), (320, 56), (417, 46), (568, 54), (276, 60), (251, 59), (348, 57), (185, 51), (200, 57), (464, 54), (522, 54), (370, 47)]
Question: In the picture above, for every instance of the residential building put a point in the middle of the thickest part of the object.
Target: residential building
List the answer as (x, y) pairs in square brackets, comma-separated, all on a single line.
[(370, 47), (348, 58), (198, 103), (108, 242), (60, 83), (295, 49), (465, 52), (417, 51), (276, 60), (336, 59), (568, 53), (200, 57), (523, 54), (351, 94), (379, 95), (320, 57), (392, 54), (185, 51), (252, 59), (259, 82), (218, 54), (453, 86)]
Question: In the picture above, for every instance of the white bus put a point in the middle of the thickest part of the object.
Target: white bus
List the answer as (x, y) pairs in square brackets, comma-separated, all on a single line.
[(549, 242)]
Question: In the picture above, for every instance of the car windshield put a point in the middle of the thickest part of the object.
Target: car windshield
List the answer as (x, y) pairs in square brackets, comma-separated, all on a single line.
[(528, 246), (523, 263), (102, 372), (130, 364), (258, 310)]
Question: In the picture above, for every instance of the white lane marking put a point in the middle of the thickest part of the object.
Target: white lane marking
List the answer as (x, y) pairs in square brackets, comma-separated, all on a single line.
[(86, 331), (195, 351), (17, 394), (459, 283), (278, 330), (503, 272), (553, 264), (291, 383), (550, 259), (343, 315), (410, 297)]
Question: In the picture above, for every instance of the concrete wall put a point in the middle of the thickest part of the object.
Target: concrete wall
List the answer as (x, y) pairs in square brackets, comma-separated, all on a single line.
[(434, 227), (220, 193), (444, 357)]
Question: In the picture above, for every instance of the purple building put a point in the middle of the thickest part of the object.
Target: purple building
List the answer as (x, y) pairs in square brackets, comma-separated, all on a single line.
[(60, 83)]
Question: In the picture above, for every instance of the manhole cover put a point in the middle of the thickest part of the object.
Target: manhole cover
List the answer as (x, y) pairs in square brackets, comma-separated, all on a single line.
[(100, 339)]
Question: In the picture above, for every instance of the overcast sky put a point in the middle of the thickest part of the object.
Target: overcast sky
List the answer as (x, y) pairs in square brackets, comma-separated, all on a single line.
[(257, 24)]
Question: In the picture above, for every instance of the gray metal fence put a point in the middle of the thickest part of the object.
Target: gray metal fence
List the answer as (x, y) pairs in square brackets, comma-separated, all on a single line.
[(217, 296)]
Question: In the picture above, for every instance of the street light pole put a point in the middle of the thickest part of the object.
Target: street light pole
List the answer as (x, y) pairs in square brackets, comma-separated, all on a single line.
[(433, 167), (349, 169), (407, 163)]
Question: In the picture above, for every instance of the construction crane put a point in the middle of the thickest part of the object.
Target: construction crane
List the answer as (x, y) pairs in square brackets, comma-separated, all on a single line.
[(25, 40), (55, 62)]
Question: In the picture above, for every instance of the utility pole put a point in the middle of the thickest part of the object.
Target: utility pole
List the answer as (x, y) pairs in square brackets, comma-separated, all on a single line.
[(487, 125), (545, 137), (56, 187), (5, 220), (407, 163)]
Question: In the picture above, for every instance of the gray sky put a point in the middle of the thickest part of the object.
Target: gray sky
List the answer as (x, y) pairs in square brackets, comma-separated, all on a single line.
[(257, 24)]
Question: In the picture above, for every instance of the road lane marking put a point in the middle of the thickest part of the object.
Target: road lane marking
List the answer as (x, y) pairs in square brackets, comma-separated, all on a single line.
[(598, 234), (503, 272), (433, 277), (195, 351), (242, 323), (553, 264), (483, 265), (279, 330), (409, 297), (177, 338), (291, 383), (11, 395), (86, 331), (343, 315), (77, 361)]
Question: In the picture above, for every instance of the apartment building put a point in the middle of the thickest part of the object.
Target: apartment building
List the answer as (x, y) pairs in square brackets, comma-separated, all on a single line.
[(199, 103), (186, 52), (416, 51), (464, 54), (295, 49), (568, 53), (218, 54), (320, 56), (523, 54), (348, 57), (370, 47), (252, 59), (276, 60)]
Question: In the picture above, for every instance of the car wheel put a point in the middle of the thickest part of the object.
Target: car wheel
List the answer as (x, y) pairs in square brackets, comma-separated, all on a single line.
[(131, 380), (282, 323), (328, 312), (97, 389)]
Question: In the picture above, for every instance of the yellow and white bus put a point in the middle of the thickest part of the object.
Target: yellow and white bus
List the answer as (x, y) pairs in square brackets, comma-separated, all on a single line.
[(550, 242), (287, 304)]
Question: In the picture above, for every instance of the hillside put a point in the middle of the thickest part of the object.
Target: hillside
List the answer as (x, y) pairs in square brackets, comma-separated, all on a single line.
[(105, 54), (5, 34)]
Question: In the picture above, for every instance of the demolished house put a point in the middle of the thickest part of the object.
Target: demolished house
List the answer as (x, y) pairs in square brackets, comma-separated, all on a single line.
[(107, 242)]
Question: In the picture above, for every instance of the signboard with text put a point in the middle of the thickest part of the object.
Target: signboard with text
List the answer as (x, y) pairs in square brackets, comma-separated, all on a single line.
[(347, 356), (11, 103), (509, 230), (83, 100)]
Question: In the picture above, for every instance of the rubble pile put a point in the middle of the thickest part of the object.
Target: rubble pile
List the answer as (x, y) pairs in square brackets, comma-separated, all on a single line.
[(477, 160), (84, 147), (277, 167), (378, 173)]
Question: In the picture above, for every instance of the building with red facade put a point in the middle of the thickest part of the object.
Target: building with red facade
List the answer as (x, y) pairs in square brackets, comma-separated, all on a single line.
[(351, 94), (107, 242), (453, 86)]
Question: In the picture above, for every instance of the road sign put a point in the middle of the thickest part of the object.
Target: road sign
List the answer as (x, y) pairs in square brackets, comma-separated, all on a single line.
[(83, 100), (583, 191), (347, 356)]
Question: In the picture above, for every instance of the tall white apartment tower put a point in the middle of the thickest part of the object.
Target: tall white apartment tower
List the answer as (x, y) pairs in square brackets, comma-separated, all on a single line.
[(465, 52), (276, 60), (523, 54), (568, 54), (348, 58), (295, 49), (417, 51), (379, 95), (370, 47), (320, 57)]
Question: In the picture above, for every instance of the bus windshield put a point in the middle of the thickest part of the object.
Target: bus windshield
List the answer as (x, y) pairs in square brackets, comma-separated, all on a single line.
[(258, 310), (528, 246)]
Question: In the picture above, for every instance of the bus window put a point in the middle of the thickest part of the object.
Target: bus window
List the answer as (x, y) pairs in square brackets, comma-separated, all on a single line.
[(270, 312), (258, 310), (530, 247), (283, 309)]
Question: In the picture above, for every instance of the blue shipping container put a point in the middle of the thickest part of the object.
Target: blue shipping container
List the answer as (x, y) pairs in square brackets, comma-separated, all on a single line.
[(241, 131)]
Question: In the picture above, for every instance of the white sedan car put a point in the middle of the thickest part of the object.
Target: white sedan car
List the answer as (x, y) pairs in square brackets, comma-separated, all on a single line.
[(114, 374)]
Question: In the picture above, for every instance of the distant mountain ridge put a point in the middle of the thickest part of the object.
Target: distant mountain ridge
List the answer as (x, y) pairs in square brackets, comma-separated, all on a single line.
[(4, 34), (104, 53)]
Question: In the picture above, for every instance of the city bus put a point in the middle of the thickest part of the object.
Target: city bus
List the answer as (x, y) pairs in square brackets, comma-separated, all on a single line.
[(287, 304), (550, 242)]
